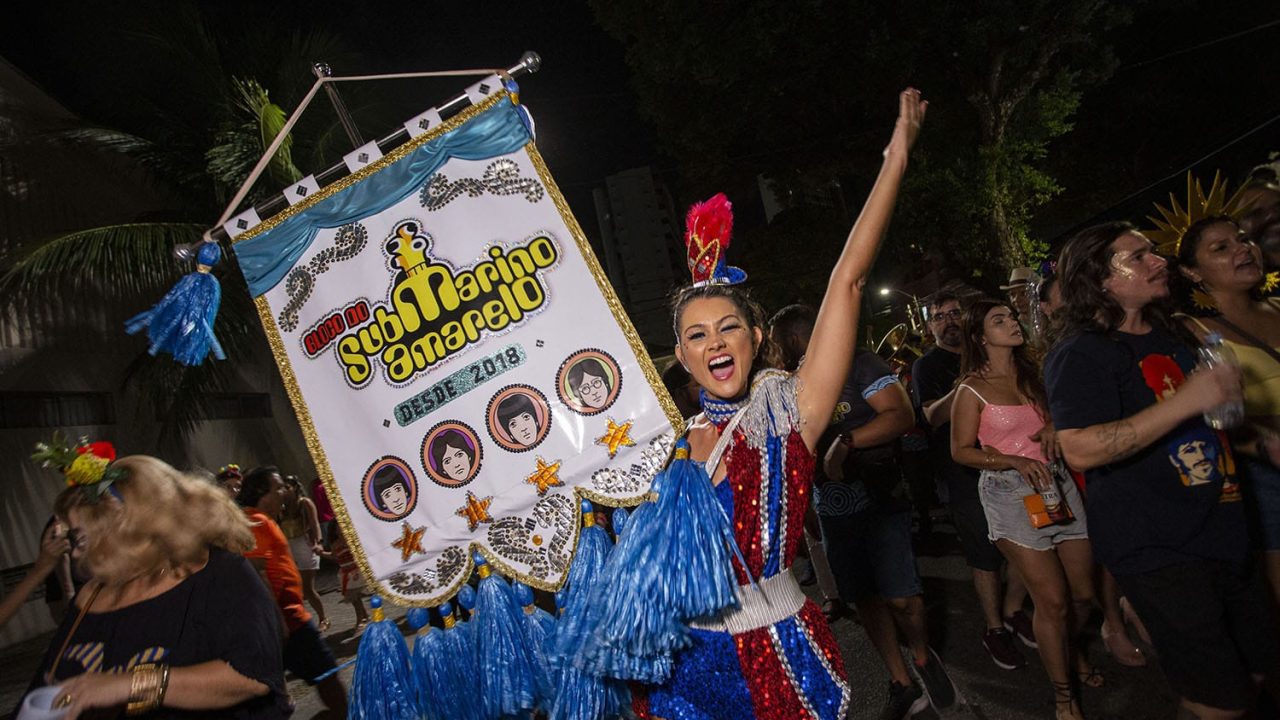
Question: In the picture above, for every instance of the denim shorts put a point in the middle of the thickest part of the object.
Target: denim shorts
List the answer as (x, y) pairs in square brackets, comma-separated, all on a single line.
[(870, 553), (1001, 492)]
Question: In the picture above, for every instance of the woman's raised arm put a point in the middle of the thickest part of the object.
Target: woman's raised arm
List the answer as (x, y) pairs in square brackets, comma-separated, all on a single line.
[(831, 346)]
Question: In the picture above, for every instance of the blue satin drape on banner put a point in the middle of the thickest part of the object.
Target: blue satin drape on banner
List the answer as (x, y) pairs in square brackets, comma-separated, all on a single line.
[(266, 259)]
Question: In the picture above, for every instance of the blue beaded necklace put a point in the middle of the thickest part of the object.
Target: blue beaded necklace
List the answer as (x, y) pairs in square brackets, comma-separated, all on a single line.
[(720, 412)]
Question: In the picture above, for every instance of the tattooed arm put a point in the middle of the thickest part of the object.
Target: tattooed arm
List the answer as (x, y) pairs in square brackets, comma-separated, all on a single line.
[(1102, 444)]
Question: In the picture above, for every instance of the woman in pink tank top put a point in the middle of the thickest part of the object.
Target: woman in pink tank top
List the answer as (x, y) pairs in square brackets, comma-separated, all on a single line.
[(1000, 426)]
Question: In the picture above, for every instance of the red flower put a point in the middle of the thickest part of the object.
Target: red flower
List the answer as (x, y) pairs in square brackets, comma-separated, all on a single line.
[(100, 449)]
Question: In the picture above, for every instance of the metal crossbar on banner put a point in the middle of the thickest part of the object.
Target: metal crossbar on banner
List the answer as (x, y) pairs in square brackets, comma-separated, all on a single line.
[(529, 63)]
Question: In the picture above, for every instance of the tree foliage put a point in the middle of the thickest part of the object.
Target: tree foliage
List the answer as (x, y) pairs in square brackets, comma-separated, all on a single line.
[(197, 124), (806, 89)]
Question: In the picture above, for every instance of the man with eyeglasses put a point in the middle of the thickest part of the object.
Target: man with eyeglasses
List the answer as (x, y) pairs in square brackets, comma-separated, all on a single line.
[(933, 379)]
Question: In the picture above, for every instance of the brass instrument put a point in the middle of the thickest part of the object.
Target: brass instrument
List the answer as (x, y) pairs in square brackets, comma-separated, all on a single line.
[(900, 346)]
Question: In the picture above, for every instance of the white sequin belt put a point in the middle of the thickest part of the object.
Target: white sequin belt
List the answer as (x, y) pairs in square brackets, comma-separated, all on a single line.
[(778, 598)]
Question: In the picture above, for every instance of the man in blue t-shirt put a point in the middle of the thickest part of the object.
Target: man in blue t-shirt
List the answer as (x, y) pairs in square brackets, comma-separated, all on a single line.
[(1164, 508), (866, 520)]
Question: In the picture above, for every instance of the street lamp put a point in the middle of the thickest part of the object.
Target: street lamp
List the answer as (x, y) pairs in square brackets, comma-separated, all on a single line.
[(913, 306)]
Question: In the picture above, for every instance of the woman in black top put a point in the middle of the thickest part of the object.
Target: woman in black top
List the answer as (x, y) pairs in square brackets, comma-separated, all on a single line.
[(174, 622)]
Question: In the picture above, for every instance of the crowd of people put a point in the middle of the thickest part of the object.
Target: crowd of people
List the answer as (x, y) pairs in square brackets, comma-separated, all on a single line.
[(1075, 482), (1076, 461)]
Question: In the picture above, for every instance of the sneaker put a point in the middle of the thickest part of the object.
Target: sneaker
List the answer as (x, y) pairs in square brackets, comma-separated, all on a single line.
[(904, 701), (933, 677), (999, 645), (1019, 624)]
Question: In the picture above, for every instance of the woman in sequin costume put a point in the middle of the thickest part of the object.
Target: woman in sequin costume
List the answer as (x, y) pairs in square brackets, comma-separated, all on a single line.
[(775, 656)]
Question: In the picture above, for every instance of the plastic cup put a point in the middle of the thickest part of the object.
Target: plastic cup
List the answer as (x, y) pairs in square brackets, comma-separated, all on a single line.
[(38, 704)]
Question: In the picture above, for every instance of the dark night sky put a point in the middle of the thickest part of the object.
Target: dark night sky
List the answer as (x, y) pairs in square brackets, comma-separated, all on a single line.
[(1144, 123), (588, 126)]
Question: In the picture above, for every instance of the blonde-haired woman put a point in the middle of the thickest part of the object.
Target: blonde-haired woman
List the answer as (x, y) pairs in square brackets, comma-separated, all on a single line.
[(174, 620)]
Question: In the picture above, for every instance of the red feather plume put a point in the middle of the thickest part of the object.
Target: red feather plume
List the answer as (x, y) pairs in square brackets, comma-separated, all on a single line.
[(708, 230)]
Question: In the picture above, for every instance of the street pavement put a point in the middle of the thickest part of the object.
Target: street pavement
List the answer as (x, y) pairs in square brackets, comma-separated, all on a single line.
[(955, 627)]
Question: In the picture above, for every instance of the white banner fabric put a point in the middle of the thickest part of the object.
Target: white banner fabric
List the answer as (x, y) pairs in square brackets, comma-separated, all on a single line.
[(464, 374)]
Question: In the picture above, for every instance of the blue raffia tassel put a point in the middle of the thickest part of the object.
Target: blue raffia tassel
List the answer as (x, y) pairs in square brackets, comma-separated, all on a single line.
[(580, 695), (619, 521), (505, 660), (441, 677), (672, 564), (541, 629), (181, 324), (384, 686)]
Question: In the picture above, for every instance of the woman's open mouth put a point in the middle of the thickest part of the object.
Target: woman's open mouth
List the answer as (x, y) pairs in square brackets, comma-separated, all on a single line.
[(721, 367)]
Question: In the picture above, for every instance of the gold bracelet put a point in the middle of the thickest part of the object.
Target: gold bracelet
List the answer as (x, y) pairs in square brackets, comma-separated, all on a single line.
[(147, 686)]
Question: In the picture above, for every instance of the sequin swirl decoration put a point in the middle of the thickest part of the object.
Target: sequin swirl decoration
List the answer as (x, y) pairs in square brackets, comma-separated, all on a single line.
[(543, 541), (502, 177), (637, 476), (448, 567), (348, 243)]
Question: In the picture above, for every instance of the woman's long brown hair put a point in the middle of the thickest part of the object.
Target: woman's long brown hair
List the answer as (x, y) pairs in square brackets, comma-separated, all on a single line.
[(974, 358)]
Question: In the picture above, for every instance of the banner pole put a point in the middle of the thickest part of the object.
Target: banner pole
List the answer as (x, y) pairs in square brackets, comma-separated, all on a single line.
[(529, 63), (322, 70)]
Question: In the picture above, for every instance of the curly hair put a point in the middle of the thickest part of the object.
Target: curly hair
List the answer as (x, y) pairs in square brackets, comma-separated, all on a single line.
[(161, 518), (769, 355)]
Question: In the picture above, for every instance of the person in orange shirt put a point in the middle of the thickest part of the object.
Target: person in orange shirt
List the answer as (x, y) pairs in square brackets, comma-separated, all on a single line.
[(305, 652)]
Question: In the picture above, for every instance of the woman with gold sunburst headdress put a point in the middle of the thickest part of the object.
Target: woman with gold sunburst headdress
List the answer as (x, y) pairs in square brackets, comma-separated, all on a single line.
[(1226, 269)]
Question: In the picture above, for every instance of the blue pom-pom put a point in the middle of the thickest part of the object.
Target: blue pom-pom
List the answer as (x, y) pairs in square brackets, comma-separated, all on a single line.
[(466, 598), (181, 324), (375, 602), (507, 685), (417, 618), (384, 686)]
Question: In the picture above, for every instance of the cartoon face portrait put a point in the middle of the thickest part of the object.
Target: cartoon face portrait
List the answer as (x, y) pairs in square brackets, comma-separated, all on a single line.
[(519, 417), (1199, 459), (589, 381), (390, 491), (1162, 374), (451, 454)]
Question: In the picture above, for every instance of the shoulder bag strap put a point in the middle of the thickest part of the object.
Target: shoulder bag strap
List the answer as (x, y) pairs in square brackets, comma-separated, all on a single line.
[(1250, 337), (53, 669)]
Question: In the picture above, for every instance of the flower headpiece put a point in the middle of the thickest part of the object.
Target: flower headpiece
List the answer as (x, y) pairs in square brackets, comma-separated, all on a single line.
[(708, 228), (86, 465), (230, 469)]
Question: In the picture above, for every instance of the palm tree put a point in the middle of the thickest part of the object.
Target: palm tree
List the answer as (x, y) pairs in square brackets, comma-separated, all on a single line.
[(197, 139)]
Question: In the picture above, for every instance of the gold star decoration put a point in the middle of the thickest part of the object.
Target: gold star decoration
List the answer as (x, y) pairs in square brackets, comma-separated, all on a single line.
[(475, 511), (616, 437), (410, 541), (545, 477)]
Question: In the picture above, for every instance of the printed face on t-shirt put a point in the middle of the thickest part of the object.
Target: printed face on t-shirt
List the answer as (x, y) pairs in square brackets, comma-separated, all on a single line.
[(1196, 461)]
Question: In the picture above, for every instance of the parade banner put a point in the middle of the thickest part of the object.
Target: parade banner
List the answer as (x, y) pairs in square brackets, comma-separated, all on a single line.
[(462, 371)]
